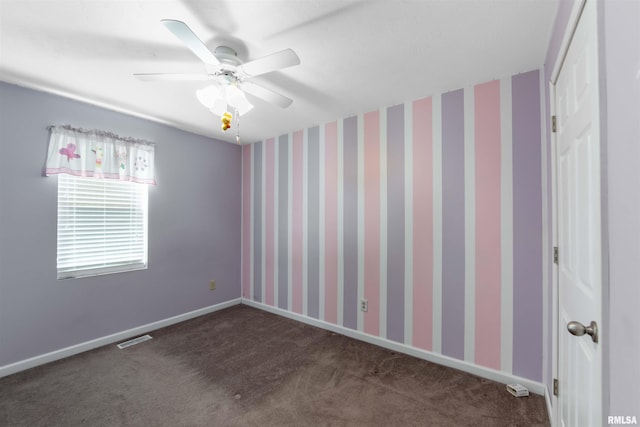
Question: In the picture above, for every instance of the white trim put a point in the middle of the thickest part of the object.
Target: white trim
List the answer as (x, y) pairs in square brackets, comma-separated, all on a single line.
[(32, 362), (490, 374), (547, 400), (251, 218), (546, 258), (554, 266), (572, 23), (469, 225), (506, 226)]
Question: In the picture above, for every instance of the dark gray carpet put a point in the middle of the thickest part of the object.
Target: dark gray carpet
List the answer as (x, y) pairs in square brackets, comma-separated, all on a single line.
[(246, 367)]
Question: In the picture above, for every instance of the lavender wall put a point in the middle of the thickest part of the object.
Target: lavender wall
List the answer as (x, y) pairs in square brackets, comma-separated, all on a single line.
[(194, 231), (621, 133)]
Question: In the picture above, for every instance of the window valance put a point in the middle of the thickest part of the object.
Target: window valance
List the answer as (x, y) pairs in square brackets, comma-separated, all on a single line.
[(99, 154)]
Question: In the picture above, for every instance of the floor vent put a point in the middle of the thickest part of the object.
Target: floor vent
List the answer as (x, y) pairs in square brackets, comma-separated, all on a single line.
[(134, 341)]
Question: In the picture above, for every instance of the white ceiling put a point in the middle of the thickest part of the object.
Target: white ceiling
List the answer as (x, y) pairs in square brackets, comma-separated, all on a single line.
[(356, 56)]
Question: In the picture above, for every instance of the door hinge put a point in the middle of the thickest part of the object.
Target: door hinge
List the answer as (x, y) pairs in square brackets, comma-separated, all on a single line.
[(555, 386), (554, 124), (555, 255)]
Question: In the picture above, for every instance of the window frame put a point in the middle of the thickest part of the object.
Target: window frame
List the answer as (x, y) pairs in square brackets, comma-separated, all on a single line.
[(77, 264)]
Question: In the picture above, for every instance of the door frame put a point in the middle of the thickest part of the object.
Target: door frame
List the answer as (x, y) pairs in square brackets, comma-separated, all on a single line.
[(572, 23)]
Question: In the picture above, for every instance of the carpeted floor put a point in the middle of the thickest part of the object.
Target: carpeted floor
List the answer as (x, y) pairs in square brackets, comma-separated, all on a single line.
[(246, 367)]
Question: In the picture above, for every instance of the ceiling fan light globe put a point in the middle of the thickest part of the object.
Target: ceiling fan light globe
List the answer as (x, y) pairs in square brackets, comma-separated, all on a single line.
[(236, 98), (208, 95), (219, 107)]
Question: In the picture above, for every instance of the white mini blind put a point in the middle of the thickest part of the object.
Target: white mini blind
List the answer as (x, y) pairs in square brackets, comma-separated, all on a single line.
[(102, 226)]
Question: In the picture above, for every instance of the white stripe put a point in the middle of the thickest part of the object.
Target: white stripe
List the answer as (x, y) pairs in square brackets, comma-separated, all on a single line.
[(469, 226), (506, 228), (290, 222), (276, 225), (383, 223), (243, 261), (340, 195), (305, 220), (251, 199), (360, 219), (437, 224), (408, 223), (546, 310), (263, 220), (321, 231)]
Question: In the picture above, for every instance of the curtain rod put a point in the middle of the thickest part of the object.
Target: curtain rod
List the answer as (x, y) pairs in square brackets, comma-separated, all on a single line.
[(100, 133)]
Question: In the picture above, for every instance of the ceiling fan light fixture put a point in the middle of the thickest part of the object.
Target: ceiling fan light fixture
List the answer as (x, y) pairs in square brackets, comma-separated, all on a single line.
[(208, 95), (238, 100), (221, 99)]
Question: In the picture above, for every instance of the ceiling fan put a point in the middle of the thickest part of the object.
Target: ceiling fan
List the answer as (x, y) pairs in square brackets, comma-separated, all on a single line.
[(229, 76)]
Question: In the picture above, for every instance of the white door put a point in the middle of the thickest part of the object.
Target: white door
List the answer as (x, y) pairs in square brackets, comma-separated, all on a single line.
[(579, 237)]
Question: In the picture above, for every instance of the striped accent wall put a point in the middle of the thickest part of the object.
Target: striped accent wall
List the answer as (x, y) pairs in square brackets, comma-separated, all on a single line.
[(430, 210)]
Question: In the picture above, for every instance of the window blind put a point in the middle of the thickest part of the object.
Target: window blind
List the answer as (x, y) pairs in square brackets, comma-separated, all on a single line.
[(102, 226)]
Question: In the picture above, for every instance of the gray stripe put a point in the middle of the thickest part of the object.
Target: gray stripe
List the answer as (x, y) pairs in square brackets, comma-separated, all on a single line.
[(350, 219), (395, 223), (283, 221), (257, 221), (453, 244)]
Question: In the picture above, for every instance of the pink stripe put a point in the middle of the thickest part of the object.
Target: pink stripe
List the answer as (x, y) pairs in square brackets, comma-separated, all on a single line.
[(372, 221), (487, 165), (331, 223), (296, 223), (269, 218), (246, 219), (423, 223)]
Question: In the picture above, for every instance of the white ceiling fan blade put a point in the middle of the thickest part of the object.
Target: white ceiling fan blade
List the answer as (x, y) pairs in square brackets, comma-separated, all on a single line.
[(266, 94), (275, 61), (184, 33), (156, 77)]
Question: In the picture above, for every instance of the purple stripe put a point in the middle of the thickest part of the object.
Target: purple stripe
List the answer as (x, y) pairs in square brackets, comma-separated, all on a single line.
[(313, 223), (257, 221), (395, 223), (350, 220), (453, 250), (527, 226), (283, 221)]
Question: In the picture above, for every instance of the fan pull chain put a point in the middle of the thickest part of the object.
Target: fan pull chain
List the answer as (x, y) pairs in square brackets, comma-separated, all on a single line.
[(237, 126)]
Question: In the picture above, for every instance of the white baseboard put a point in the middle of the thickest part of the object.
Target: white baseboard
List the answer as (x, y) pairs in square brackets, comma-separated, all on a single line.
[(109, 339), (491, 374)]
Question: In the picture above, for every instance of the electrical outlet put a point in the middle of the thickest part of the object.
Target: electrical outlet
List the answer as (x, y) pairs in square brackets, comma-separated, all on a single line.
[(212, 285), (364, 305)]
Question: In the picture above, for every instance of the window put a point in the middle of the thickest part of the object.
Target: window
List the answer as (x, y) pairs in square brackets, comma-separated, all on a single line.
[(102, 226)]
